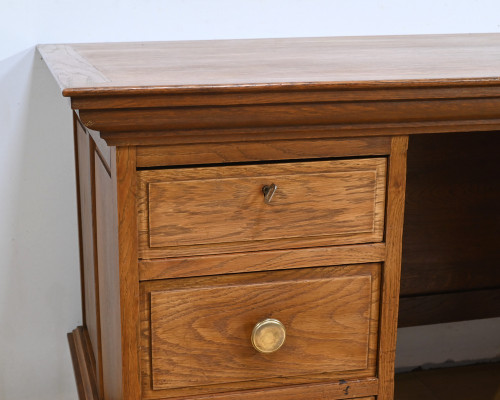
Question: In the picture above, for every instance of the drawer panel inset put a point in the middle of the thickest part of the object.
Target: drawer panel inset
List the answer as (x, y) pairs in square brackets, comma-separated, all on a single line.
[(201, 328), (218, 209)]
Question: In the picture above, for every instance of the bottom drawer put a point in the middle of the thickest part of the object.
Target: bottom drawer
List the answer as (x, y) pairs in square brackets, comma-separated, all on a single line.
[(198, 334)]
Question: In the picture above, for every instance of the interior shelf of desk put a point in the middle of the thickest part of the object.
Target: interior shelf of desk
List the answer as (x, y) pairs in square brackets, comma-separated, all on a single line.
[(450, 268)]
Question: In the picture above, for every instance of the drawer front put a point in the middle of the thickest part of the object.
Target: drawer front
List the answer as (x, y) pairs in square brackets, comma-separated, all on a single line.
[(200, 328), (220, 209)]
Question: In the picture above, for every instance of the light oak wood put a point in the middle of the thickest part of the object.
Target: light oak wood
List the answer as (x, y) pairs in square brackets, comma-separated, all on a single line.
[(162, 268), (85, 150), (197, 124), (310, 132), (104, 273), (273, 63), (392, 267), (125, 180), (327, 323), (326, 87), (263, 117), (104, 222), (101, 270), (83, 364), (107, 262), (154, 156), (333, 311), (79, 208), (328, 391), (328, 202), (104, 152), (86, 382), (398, 91)]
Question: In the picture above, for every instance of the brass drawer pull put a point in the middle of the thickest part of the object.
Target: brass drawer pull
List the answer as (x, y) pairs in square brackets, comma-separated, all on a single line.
[(268, 335), (269, 191)]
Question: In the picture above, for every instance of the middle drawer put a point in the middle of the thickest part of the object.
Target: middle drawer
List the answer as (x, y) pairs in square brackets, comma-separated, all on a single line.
[(210, 210)]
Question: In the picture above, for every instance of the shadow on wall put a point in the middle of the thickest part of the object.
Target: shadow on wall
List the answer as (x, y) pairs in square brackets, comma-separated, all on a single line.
[(39, 273)]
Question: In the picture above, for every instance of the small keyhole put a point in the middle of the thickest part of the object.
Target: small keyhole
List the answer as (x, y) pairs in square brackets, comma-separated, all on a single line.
[(269, 191)]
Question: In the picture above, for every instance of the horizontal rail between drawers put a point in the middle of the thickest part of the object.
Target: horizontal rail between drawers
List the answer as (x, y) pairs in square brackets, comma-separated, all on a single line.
[(259, 261)]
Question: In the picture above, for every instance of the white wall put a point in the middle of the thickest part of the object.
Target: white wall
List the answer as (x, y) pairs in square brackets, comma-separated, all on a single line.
[(39, 278)]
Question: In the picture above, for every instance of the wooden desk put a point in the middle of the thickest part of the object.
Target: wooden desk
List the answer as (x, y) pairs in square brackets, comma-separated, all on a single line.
[(241, 207)]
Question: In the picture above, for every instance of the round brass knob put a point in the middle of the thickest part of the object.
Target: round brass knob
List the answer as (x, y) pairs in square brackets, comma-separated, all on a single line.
[(268, 335)]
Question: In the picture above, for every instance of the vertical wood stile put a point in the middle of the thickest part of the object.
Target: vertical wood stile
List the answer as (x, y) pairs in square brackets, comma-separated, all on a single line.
[(392, 268), (84, 146), (125, 173), (98, 356), (79, 208)]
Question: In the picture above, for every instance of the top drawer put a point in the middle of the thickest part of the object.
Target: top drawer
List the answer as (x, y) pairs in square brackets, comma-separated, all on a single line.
[(213, 210)]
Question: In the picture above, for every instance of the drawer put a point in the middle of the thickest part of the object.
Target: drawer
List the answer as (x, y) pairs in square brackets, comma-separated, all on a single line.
[(214, 210), (197, 332)]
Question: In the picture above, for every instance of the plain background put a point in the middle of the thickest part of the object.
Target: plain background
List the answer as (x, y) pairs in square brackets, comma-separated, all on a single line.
[(39, 276)]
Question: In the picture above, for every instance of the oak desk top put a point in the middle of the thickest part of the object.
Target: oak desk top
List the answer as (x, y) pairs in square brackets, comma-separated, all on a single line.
[(215, 64), (381, 85)]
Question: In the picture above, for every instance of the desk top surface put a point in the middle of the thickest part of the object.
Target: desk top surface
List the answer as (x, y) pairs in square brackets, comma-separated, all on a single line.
[(267, 64)]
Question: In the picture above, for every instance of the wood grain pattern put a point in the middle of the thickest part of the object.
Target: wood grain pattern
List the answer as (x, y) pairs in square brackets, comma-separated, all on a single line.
[(334, 202), (392, 267), (302, 132), (326, 87), (342, 304), (85, 149), (79, 189), (154, 156), (315, 93), (352, 389), (103, 150), (217, 102), (125, 178), (327, 322), (109, 296), (163, 268), (83, 364), (325, 200), (273, 63), (69, 66), (284, 115)]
